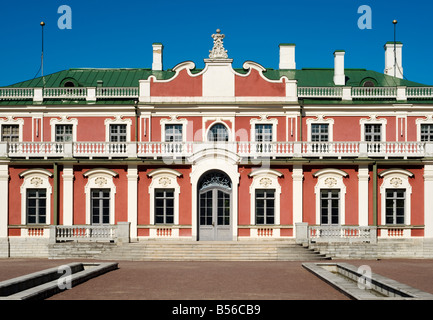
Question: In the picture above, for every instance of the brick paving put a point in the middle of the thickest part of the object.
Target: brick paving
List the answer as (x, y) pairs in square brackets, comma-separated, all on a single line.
[(217, 280)]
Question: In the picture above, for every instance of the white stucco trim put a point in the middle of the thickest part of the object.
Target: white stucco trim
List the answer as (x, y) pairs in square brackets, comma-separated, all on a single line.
[(63, 120), (373, 120), (320, 120), (35, 179), (331, 178), (396, 179), (100, 178), (164, 178), (265, 179)]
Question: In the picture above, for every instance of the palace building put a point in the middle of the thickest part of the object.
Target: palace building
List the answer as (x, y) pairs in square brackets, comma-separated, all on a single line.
[(217, 153)]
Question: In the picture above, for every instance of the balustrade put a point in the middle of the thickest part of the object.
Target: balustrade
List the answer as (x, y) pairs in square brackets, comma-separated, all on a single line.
[(342, 234), (243, 149)]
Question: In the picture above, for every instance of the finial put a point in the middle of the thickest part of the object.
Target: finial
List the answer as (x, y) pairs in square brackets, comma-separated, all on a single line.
[(218, 51)]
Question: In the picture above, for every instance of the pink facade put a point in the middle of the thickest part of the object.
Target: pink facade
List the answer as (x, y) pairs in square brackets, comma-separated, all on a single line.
[(217, 154)]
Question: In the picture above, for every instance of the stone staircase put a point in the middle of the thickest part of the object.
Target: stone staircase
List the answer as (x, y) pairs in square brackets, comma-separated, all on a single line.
[(187, 251), (212, 251)]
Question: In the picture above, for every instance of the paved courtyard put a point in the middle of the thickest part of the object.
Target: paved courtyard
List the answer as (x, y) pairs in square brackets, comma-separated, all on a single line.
[(217, 280)]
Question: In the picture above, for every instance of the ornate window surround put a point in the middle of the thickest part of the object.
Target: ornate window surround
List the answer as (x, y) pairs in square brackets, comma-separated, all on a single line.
[(173, 120), (373, 120), (427, 120), (396, 179), (331, 179), (35, 179), (118, 120), (10, 120), (100, 178), (63, 120), (164, 178), (264, 119), (265, 179), (320, 120), (217, 120)]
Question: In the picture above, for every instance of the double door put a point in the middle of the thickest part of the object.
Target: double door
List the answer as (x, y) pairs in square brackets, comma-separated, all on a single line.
[(214, 214)]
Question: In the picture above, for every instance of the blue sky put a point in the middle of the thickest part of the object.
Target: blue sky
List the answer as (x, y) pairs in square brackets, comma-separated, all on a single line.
[(111, 34)]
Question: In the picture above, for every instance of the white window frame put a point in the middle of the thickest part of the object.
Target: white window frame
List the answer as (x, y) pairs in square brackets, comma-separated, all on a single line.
[(331, 179), (11, 121), (100, 178), (173, 120), (35, 179), (164, 178), (118, 120), (396, 179), (265, 179), (427, 120), (320, 120), (263, 120), (64, 120), (373, 120)]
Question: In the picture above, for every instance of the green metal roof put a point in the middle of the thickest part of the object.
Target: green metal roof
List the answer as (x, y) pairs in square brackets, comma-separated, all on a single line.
[(320, 77)]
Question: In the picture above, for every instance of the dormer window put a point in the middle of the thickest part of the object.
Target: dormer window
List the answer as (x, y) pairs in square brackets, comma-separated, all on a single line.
[(69, 84), (368, 83)]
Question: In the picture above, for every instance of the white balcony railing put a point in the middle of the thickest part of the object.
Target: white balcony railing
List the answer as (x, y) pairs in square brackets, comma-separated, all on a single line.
[(342, 234), (336, 149)]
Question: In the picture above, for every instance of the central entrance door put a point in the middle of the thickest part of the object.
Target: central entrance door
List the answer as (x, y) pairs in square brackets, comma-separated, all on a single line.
[(214, 197)]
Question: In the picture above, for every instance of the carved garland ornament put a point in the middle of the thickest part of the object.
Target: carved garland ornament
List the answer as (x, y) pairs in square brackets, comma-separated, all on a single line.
[(330, 182), (36, 181), (100, 181), (265, 182), (396, 182), (164, 181)]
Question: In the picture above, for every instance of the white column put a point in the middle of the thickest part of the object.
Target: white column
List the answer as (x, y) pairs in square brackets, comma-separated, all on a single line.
[(68, 195), (428, 200), (4, 192), (132, 199), (298, 177), (363, 195)]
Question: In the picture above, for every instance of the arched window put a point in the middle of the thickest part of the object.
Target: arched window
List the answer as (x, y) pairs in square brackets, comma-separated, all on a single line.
[(218, 132)]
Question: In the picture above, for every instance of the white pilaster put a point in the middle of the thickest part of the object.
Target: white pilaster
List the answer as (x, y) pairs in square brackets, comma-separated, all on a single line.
[(363, 195), (4, 192), (298, 177), (68, 195), (428, 200), (132, 199)]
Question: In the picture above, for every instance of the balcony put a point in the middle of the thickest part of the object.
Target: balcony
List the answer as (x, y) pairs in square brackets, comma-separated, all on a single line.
[(175, 150)]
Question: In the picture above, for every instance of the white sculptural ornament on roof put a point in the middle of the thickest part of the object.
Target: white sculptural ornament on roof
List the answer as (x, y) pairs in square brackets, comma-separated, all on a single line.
[(218, 51)]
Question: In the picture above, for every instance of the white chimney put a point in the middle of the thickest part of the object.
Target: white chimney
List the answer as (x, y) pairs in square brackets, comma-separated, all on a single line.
[(287, 56), (391, 60), (157, 56), (339, 76)]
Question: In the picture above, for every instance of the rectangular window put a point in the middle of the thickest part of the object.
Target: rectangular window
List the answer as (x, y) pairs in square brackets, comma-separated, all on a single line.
[(373, 132), (164, 206), (36, 206), (64, 132), (329, 206), (100, 202), (320, 132), (173, 133), (118, 133), (395, 203), (10, 132), (265, 206), (427, 132), (263, 132)]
